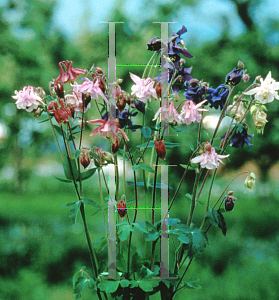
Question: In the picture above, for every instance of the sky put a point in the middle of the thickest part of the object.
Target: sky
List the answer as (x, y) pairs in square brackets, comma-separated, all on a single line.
[(204, 22)]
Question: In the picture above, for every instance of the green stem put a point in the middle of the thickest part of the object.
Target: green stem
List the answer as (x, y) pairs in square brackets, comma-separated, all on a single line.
[(55, 136)]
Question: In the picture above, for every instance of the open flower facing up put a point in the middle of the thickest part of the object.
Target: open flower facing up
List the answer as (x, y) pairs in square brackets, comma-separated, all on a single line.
[(266, 92), (209, 159), (27, 99), (168, 114), (143, 88), (190, 112), (67, 72), (109, 129), (93, 89)]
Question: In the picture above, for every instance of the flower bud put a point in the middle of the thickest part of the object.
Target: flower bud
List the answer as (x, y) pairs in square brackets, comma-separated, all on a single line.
[(240, 64), (158, 89), (36, 113), (160, 148), (260, 120), (115, 146), (234, 77), (119, 81), (230, 193), (86, 98), (229, 203), (246, 77), (81, 123), (99, 70), (194, 82), (108, 157), (59, 89), (121, 207), (84, 158), (250, 181)]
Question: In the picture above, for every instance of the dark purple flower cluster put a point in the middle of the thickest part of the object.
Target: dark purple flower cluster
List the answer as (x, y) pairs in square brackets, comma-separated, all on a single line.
[(194, 92), (234, 77), (240, 138), (217, 97)]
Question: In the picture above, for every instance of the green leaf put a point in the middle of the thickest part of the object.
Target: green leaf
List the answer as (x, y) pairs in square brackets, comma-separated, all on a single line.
[(197, 241), (91, 202), (173, 221), (134, 167), (70, 168), (63, 179), (151, 236), (192, 148), (193, 283), (58, 129), (124, 283), (69, 204), (91, 284), (134, 126), (77, 153), (79, 282), (74, 211), (124, 230), (108, 286), (145, 285), (43, 121), (189, 196), (217, 219), (133, 284), (158, 185), (87, 174), (146, 132), (146, 167)]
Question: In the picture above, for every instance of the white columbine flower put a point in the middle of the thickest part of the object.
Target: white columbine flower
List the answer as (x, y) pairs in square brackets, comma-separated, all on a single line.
[(266, 92), (143, 88), (27, 99)]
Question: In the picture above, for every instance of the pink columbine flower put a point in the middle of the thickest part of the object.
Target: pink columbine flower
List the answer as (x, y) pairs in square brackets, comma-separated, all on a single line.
[(266, 92), (168, 114), (27, 99), (209, 159), (143, 88), (75, 99), (108, 129), (93, 89), (71, 73), (190, 112)]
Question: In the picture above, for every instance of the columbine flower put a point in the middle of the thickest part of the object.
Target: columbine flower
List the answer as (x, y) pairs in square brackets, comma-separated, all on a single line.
[(67, 72), (27, 99), (217, 97), (160, 148), (260, 120), (93, 89), (76, 100), (266, 92), (61, 114), (238, 110), (168, 114), (84, 157), (121, 207), (250, 181), (155, 44), (190, 112), (240, 138), (229, 203), (194, 91), (143, 88), (108, 129), (234, 77), (209, 159)]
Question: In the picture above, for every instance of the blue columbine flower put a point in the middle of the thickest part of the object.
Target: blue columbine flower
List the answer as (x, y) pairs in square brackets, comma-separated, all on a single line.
[(239, 138), (194, 92), (217, 97), (123, 116), (234, 77)]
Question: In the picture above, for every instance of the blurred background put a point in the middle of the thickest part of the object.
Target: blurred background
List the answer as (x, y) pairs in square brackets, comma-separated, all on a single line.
[(40, 248)]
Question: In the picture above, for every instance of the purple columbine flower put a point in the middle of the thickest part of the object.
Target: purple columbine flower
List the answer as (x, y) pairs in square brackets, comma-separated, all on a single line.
[(234, 77), (194, 92), (124, 117), (217, 97)]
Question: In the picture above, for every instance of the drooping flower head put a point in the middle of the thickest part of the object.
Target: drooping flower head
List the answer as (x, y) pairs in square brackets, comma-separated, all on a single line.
[(217, 97), (209, 159), (61, 113), (250, 181), (92, 88), (266, 92), (160, 148), (143, 88), (27, 99), (109, 129), (76, 100), (240, 137), (168, 115), (121, 207), (67, 72), (194, 91), (234, 77), (190, 112)]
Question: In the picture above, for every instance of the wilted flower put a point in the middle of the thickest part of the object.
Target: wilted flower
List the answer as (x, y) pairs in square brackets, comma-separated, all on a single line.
[(234, 77), (250, 181), (266, 92), (209, 159), (229, 203), (143, 88), (85, 158), (260, 120), (67, 72), (121, 207), (168, 114), (27, 99), (61, 113), (160, 148), (238, 110), (190, 112), (108, 129)]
